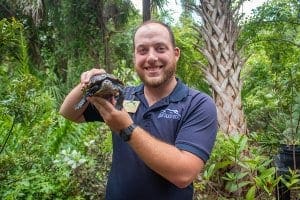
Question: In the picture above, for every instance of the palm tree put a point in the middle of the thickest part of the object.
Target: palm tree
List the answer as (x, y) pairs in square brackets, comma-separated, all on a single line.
[(146, 10), (150, 6), (220, 31)]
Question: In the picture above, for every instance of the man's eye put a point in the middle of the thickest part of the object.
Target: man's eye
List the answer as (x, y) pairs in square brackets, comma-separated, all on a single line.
[(161, 49), (142, 51)]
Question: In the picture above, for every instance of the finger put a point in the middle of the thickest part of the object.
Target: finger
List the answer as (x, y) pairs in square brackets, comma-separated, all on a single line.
[(101, 104), (106, 104), (83, 78), (113, 101), (86, 76), (96, 71)]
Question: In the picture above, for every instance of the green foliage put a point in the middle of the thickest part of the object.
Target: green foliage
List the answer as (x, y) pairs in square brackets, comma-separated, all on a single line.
[(44, 156), (188, 68), (272, 39), (291, 180), (13, 47), (26, 159), (33, 137), (238, 169), (9, 36), (29, 165), (31, 180), (291, 133)]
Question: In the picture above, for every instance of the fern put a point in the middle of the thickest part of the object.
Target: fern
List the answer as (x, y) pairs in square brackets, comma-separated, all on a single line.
[(22, 56)]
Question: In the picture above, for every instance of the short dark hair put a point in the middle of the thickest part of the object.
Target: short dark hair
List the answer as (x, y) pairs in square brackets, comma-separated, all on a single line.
[(156, 22)]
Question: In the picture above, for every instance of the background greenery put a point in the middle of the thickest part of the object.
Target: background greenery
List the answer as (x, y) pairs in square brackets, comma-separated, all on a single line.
[(44, 49)]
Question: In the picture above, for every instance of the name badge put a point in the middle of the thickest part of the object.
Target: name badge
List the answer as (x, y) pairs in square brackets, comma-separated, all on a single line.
[(131, 106)]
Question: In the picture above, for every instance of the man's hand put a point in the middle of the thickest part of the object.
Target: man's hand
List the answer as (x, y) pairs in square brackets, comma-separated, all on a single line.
[(86, 76), (114, 118)]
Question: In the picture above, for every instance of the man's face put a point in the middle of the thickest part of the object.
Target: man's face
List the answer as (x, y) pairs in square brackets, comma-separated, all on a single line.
[(154, 56)]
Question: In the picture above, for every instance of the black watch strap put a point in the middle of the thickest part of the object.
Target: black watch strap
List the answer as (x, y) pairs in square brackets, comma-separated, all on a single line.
[(125, 133)]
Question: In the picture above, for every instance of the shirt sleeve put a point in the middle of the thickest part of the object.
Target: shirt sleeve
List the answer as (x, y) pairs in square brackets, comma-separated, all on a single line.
[(91, 114), (198, 131)]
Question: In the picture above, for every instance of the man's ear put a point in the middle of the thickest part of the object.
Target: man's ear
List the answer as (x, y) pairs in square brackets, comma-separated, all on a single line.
[(177, 53)]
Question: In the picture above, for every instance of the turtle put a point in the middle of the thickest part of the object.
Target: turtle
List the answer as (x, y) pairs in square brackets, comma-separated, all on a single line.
[(103, 85)]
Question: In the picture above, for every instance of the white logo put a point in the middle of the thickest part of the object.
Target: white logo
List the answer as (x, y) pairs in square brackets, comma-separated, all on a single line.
[(169, 114)]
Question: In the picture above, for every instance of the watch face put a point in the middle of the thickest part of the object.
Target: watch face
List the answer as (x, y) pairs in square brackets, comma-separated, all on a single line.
[(124, 136), (126, 133)]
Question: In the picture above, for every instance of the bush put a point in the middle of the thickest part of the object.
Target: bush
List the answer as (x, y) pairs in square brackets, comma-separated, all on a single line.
[(237, 169)]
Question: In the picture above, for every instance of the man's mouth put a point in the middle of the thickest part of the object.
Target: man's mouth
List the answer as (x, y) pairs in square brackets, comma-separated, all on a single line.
[(153, 69)]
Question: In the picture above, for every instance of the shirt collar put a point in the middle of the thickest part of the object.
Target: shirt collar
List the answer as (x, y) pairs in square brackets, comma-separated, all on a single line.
[(180, 91)]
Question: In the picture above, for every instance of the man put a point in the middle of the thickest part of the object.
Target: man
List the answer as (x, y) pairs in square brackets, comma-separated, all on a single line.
[(169, 133)]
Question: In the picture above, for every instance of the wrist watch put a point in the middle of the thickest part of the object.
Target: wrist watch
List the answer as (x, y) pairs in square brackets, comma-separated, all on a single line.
[(125, 133)]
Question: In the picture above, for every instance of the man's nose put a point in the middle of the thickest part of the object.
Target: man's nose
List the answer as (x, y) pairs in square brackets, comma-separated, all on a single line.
[(152, 56)]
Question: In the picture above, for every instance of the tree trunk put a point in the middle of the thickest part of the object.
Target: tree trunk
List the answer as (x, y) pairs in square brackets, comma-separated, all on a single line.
[(146, 10), (220, 32), (101, 23)]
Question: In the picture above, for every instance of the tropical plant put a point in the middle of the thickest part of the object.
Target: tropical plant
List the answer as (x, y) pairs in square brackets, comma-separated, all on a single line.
[(151, 6), (220, 31), (291, 180), (187, 69), (255, 179), (292, 131), (272, 73), (272, 79), (32, 134)]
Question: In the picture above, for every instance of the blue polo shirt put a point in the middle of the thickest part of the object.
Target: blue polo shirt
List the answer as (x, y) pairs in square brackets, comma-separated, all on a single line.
[(186, 118)]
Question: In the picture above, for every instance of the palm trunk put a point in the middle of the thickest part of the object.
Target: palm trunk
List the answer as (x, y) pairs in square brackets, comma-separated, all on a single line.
[(220, 32), (146, 10)]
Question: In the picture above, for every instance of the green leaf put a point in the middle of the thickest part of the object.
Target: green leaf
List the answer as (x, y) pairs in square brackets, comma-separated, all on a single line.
[(251, 193)]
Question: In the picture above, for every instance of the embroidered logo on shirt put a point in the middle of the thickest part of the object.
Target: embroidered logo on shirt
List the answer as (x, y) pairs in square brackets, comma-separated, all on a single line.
[(169, 114)]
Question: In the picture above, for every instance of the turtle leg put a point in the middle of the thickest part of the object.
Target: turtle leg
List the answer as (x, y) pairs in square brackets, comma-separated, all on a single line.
[(80, 103), (120, 99)]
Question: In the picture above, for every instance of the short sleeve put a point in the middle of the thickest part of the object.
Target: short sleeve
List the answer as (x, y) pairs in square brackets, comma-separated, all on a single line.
[(199, 128)]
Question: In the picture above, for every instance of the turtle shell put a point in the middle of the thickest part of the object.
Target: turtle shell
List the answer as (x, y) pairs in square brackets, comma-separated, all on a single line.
[(105, 86)]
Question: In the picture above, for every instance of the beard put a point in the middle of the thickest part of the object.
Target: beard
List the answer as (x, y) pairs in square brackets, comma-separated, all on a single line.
[(156, 82)]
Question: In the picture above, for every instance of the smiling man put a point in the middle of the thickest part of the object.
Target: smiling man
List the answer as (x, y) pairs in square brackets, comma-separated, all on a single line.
[(162, 141)]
